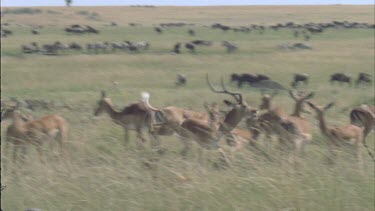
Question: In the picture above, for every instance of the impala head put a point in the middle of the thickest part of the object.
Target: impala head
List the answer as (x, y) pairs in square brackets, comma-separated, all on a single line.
[(9, 110), (102, 104), (300, 98), (239, 109), (213, 111), (320, 109), (266, 101)]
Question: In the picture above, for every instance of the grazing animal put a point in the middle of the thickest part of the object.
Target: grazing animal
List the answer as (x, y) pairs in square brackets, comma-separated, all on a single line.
[(135, 116), (176, 48), (341, 78), (261, 77), (229, 46), (244, 78), (190, 46), (75, 46), (341, 136), (34, 132), (298, 77), (202, 42), (119, 45), (181, 80), (364, 78), (158, 30), (33, 48), (34, 31), (191, 32)]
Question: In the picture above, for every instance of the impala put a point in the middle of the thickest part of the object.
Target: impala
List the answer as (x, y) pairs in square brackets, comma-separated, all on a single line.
[(34, 132), (340, 136), (208, 134), (288, 128), (135, 116)]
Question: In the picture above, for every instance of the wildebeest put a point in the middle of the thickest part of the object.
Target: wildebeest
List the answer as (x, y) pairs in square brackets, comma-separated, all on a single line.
[(202, 42), (300, 77), (158, 30), (181, 80), (176, 48), (190, 46), (75, 46), (363, 78), (136, 46), (34, 31), (191, 32), (96, 46), (229, 46), (341, 78), (248, 78), (118, 45), (33, 48)]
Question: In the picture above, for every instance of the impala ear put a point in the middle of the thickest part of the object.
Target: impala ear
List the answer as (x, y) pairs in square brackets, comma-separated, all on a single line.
[(104, 94), (329, 106)]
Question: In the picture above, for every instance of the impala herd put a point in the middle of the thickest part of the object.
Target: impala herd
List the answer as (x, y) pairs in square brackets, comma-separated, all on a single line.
[(205, 128)]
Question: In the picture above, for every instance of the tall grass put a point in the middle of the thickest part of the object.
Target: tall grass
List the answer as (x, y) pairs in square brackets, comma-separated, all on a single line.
[(101, 173)]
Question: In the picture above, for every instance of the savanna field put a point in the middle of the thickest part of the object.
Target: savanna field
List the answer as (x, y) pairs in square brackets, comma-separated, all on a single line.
[(101, 173)]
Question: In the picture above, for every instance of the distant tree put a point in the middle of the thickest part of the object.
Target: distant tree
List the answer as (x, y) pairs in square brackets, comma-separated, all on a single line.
[(68, 2)]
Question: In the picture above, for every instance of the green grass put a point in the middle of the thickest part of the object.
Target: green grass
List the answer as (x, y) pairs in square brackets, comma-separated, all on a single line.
[(101, 173)]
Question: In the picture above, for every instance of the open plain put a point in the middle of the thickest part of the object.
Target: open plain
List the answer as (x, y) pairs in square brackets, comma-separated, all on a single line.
[(99, 172)]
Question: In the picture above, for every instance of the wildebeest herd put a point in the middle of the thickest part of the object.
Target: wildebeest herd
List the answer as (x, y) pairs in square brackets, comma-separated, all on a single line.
[(305, 30)]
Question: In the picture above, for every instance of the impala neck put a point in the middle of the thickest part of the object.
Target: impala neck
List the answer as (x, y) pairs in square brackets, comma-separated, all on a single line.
[(323, 124), (297, 109), (17, 119), (232, 119), (112, 112)]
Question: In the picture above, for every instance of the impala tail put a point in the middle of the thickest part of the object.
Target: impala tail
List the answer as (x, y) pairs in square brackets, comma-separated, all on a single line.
[(158, 113)]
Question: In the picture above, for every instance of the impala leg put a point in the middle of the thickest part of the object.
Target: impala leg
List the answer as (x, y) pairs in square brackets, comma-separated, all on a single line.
[(6, 154), (126, 136), (187, 145), (331, 153), (40, 153), (223, 157), (359, 158), (140, 139)]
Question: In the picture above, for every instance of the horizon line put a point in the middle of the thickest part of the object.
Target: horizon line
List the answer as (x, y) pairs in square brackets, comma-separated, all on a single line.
[(208, 5)]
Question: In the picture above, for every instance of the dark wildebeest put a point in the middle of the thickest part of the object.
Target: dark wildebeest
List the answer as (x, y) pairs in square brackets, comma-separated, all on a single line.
[(341, 78), (181, 80), (191, 32), (90, 29), (229, 46), (158, 30), (34, 31), (261, 77), (248, 78), (244, 78), (176, 48), (300, 78), (363, 78), (191, 47), (202, 42), (75, 46)]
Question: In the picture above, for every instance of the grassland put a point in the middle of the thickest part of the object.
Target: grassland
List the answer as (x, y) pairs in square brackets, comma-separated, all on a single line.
[(103, 174)]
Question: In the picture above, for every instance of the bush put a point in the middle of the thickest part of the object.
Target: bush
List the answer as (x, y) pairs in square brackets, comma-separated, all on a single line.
[(24, 10)]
